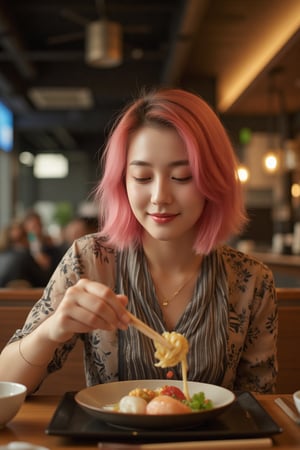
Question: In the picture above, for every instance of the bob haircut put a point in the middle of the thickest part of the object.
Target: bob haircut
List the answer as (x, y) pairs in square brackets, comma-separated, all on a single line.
[(212, 161)]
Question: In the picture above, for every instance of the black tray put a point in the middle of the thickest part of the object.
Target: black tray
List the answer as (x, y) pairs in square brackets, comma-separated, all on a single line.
[(245, 418)]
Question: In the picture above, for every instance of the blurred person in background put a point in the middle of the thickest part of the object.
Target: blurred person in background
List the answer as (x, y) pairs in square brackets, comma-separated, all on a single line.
[(74, 229), (18, 267), (41, 245)]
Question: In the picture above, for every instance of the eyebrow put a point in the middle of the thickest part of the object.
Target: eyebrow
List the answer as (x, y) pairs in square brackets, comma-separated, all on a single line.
[(180, 162)]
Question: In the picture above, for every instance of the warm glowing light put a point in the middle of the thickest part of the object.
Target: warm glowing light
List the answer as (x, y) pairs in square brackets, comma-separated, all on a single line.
[(26, 158), (295, 190), (271, 162), (50, 165), (282, 24), (243, 174)]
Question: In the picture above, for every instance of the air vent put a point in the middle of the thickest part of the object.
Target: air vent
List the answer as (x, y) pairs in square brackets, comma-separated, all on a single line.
[(61, 98)]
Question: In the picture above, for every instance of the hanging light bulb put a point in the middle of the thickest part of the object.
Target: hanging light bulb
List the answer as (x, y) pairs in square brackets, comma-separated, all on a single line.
[(243, 174), (104, 47), (271, 157), (295, 190), (103, 44), (271, 162)]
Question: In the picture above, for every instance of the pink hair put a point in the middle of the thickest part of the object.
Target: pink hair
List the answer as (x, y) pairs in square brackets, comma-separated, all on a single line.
[(212, 160)]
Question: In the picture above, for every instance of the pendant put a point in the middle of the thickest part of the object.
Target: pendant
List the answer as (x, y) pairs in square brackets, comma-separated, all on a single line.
[(165, 303)]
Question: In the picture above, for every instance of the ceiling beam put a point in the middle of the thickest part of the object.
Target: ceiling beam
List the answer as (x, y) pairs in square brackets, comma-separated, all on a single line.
[(281, 25), (12, 42), (189, 17)]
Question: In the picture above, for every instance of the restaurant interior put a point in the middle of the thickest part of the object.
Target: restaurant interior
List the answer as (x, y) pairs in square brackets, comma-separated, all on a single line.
[(68, 67)]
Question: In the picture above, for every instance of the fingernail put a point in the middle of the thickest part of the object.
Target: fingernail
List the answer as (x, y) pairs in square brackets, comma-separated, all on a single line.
[(125, 318)]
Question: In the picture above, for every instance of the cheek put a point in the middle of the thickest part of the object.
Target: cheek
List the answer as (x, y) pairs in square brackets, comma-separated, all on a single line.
[(195, 202), (136, 195), (191, 195), (199, 203)]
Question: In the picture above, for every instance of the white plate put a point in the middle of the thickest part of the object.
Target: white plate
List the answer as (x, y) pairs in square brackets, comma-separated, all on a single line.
[(94, 399)]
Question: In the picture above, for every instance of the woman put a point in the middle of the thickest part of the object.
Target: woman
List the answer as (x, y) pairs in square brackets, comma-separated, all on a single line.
[(169, 199)]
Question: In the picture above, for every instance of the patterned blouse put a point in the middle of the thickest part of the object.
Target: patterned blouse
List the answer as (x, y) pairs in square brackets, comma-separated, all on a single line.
[(231, 322)]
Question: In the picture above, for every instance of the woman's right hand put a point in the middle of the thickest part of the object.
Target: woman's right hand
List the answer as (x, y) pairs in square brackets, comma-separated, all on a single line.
[(86, 306)]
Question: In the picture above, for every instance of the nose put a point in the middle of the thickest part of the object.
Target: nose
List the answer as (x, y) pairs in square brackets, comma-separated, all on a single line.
[(161, 192)]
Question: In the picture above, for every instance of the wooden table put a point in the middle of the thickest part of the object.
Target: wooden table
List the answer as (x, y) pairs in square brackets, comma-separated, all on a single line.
[(30, 423)]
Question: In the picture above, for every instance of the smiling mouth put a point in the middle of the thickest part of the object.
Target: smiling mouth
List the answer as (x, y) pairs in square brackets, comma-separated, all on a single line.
[(163, 218)]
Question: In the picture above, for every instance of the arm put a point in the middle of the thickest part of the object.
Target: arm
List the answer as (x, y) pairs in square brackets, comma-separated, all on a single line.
[(62, 313), (34, 370), (86, 306), (257, 370)]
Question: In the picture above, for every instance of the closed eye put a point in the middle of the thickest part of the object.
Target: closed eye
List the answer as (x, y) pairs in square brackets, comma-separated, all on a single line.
[(142, 179), (182, 180)]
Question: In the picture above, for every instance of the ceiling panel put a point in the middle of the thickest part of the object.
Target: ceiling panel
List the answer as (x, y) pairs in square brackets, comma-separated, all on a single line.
[(196, 44)]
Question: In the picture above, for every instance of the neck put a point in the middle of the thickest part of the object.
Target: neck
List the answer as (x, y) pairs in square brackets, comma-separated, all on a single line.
[(170, 256), (173, 268)]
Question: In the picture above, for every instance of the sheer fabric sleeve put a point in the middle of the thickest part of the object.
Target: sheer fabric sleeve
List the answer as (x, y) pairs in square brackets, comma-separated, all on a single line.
[(257, 369), (86, 258)]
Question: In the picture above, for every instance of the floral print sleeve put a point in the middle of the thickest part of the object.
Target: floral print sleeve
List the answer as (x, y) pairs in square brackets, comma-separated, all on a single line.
[(86, 258), (253, 324), (257, 370)]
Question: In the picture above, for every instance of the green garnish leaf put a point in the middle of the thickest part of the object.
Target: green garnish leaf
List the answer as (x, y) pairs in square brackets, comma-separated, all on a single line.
[(198, 402)]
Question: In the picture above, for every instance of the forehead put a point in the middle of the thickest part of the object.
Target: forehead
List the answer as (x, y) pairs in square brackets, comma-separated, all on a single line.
[(154, 142)]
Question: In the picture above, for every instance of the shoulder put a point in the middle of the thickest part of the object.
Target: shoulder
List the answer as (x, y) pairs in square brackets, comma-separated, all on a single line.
[(238, 260), (92, 245), (88, 257), (245, 271)]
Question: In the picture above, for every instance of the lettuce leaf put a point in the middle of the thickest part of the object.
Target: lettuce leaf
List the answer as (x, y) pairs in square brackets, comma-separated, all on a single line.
[(198, 402)]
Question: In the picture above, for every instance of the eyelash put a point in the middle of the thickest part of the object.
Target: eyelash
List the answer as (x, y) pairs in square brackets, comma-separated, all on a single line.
[(180, 180), (141, 180)]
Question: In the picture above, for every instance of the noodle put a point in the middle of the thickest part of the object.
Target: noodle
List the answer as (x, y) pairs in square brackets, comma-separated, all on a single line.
[(169, 358)]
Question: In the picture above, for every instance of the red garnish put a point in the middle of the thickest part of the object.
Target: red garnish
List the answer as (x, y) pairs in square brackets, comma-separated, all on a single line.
[(170, 374), (173, 391)]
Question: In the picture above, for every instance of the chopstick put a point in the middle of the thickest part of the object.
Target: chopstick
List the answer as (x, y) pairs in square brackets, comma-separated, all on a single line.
[(147, 331), (192, 445), (288, 411)]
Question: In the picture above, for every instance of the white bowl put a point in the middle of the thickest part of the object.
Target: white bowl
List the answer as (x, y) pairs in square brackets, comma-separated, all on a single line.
[(12, 396), (95, 399), (296, 397)]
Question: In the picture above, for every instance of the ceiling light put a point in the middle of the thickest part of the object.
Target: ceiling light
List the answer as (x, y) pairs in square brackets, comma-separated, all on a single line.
[(103, 44), (295, 190), (26, 158), (61, 97), (50, 165), (271, 162), (243, 174)]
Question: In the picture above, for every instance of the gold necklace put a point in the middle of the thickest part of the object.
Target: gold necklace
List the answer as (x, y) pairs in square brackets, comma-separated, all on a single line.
[(166, 300)]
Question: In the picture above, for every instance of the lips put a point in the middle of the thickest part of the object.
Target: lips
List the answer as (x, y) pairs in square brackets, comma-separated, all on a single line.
[(163, 218)]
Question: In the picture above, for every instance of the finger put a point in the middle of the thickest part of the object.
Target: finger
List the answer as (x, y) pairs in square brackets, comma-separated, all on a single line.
[(116, 301), (78, 321), (72, 318), (103, 302), (88, 309), (82, 321), (123, 299)]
